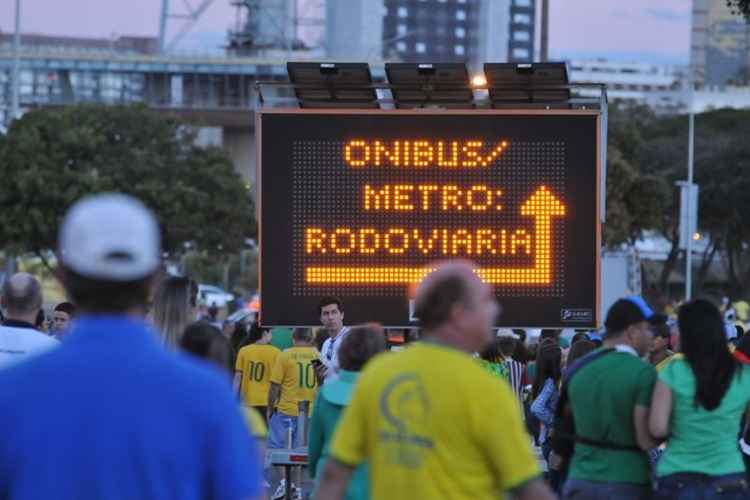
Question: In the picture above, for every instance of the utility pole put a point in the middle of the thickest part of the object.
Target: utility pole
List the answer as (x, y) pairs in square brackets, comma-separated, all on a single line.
[(690, 209), (544, 49), (163, 25), (14, 104)]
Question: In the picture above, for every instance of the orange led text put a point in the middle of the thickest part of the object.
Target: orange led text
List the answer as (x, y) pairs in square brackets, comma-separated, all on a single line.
[(422, 153)]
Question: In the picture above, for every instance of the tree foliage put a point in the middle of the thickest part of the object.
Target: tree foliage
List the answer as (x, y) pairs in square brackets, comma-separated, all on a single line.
[(721, 165), (636, 201), (51, 158), (740, 7)]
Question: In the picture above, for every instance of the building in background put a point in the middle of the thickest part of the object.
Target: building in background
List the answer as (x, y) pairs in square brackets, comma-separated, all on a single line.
[(522, 32), (719, 45), (354, 29), (638, 83), (118, 45), (472, 31)]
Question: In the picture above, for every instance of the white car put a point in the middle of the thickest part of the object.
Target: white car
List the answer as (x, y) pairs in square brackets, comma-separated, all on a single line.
[(213, 295)]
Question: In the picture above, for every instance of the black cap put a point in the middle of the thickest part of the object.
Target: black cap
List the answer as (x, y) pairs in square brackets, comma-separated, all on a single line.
[(626, 312)]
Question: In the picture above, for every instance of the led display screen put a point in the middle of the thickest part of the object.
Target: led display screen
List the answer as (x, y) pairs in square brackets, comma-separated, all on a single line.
[(360, 204)]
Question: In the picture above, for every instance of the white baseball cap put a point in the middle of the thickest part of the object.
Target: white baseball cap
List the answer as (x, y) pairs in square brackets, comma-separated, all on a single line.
[(110, 237), (506, 333)]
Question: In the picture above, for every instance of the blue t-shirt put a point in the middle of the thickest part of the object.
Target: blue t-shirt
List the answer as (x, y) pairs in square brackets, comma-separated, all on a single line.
[(111, 414)]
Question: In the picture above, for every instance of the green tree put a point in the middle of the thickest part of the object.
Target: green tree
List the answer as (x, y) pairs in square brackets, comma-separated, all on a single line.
[(51, 158), (740, 7), (722, 160), (636, 200)]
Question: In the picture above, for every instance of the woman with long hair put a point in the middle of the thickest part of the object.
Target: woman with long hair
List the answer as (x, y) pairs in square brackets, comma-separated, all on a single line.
[(174, 308), (545, 393), (696, 406)]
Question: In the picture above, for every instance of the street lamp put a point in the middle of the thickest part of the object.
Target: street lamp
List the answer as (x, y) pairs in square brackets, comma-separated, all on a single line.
[(16, 65), (689, 209)]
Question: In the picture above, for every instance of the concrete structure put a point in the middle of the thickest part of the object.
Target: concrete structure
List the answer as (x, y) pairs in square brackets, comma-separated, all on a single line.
[(719, 45), (79, 45), (354, 29), (264, 24), (216, 92), (494, 31)]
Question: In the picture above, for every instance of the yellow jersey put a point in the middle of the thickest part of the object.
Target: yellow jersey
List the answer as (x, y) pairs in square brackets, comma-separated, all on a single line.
[(295, 373), (431, 423), (255, 363)]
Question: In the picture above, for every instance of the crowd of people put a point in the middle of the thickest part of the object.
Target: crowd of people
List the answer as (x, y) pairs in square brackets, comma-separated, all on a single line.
[(127, 395)]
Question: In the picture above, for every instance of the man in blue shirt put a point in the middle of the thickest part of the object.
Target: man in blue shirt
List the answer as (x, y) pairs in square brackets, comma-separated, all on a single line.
[(111, 414)]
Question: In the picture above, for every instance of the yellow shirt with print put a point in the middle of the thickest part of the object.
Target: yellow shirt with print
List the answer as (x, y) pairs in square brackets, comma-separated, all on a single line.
[(255, 363), (295, 373), (433, 424)]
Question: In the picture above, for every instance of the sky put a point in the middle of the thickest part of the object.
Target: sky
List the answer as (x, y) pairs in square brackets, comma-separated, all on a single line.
[(656, 31)]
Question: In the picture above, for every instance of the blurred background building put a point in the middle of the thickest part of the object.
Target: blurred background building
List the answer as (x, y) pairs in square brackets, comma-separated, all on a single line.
[(719, 46)]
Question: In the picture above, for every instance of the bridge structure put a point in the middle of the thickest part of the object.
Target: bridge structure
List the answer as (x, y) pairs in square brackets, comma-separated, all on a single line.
[(212, 92)]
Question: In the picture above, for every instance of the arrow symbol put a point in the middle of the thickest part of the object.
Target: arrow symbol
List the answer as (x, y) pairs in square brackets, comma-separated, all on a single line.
[(542, 205)]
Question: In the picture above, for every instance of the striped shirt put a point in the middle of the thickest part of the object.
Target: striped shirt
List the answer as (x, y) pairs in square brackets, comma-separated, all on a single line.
[(516, 377)]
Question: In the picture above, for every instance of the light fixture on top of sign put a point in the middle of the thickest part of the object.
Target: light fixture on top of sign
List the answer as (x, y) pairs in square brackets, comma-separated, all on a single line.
[(428, 85), (332, 85), (528, 85), (478, 80)]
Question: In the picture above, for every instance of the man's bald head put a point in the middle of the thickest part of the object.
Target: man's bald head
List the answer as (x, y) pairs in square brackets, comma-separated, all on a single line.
[(448, 285), (21, 295)]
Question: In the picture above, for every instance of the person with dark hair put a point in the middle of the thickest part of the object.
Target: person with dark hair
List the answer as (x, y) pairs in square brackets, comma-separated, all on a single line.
[(361, 344), (492, 360), (252, 370), (62, 315), (497, 359), (544, 394), (521, 353), (321, 335), (578, 350), (608, 394), (139, 421), (578, 337), (41, 322), (205, 341), (429, 421), (293, 385), (19, 337), (659, 352), (697, 406), (549, 333), (331, 313), (238, 338), (516, 370)]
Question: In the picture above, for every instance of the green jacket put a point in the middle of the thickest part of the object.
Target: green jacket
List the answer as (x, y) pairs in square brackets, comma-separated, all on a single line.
[(330, 402)]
